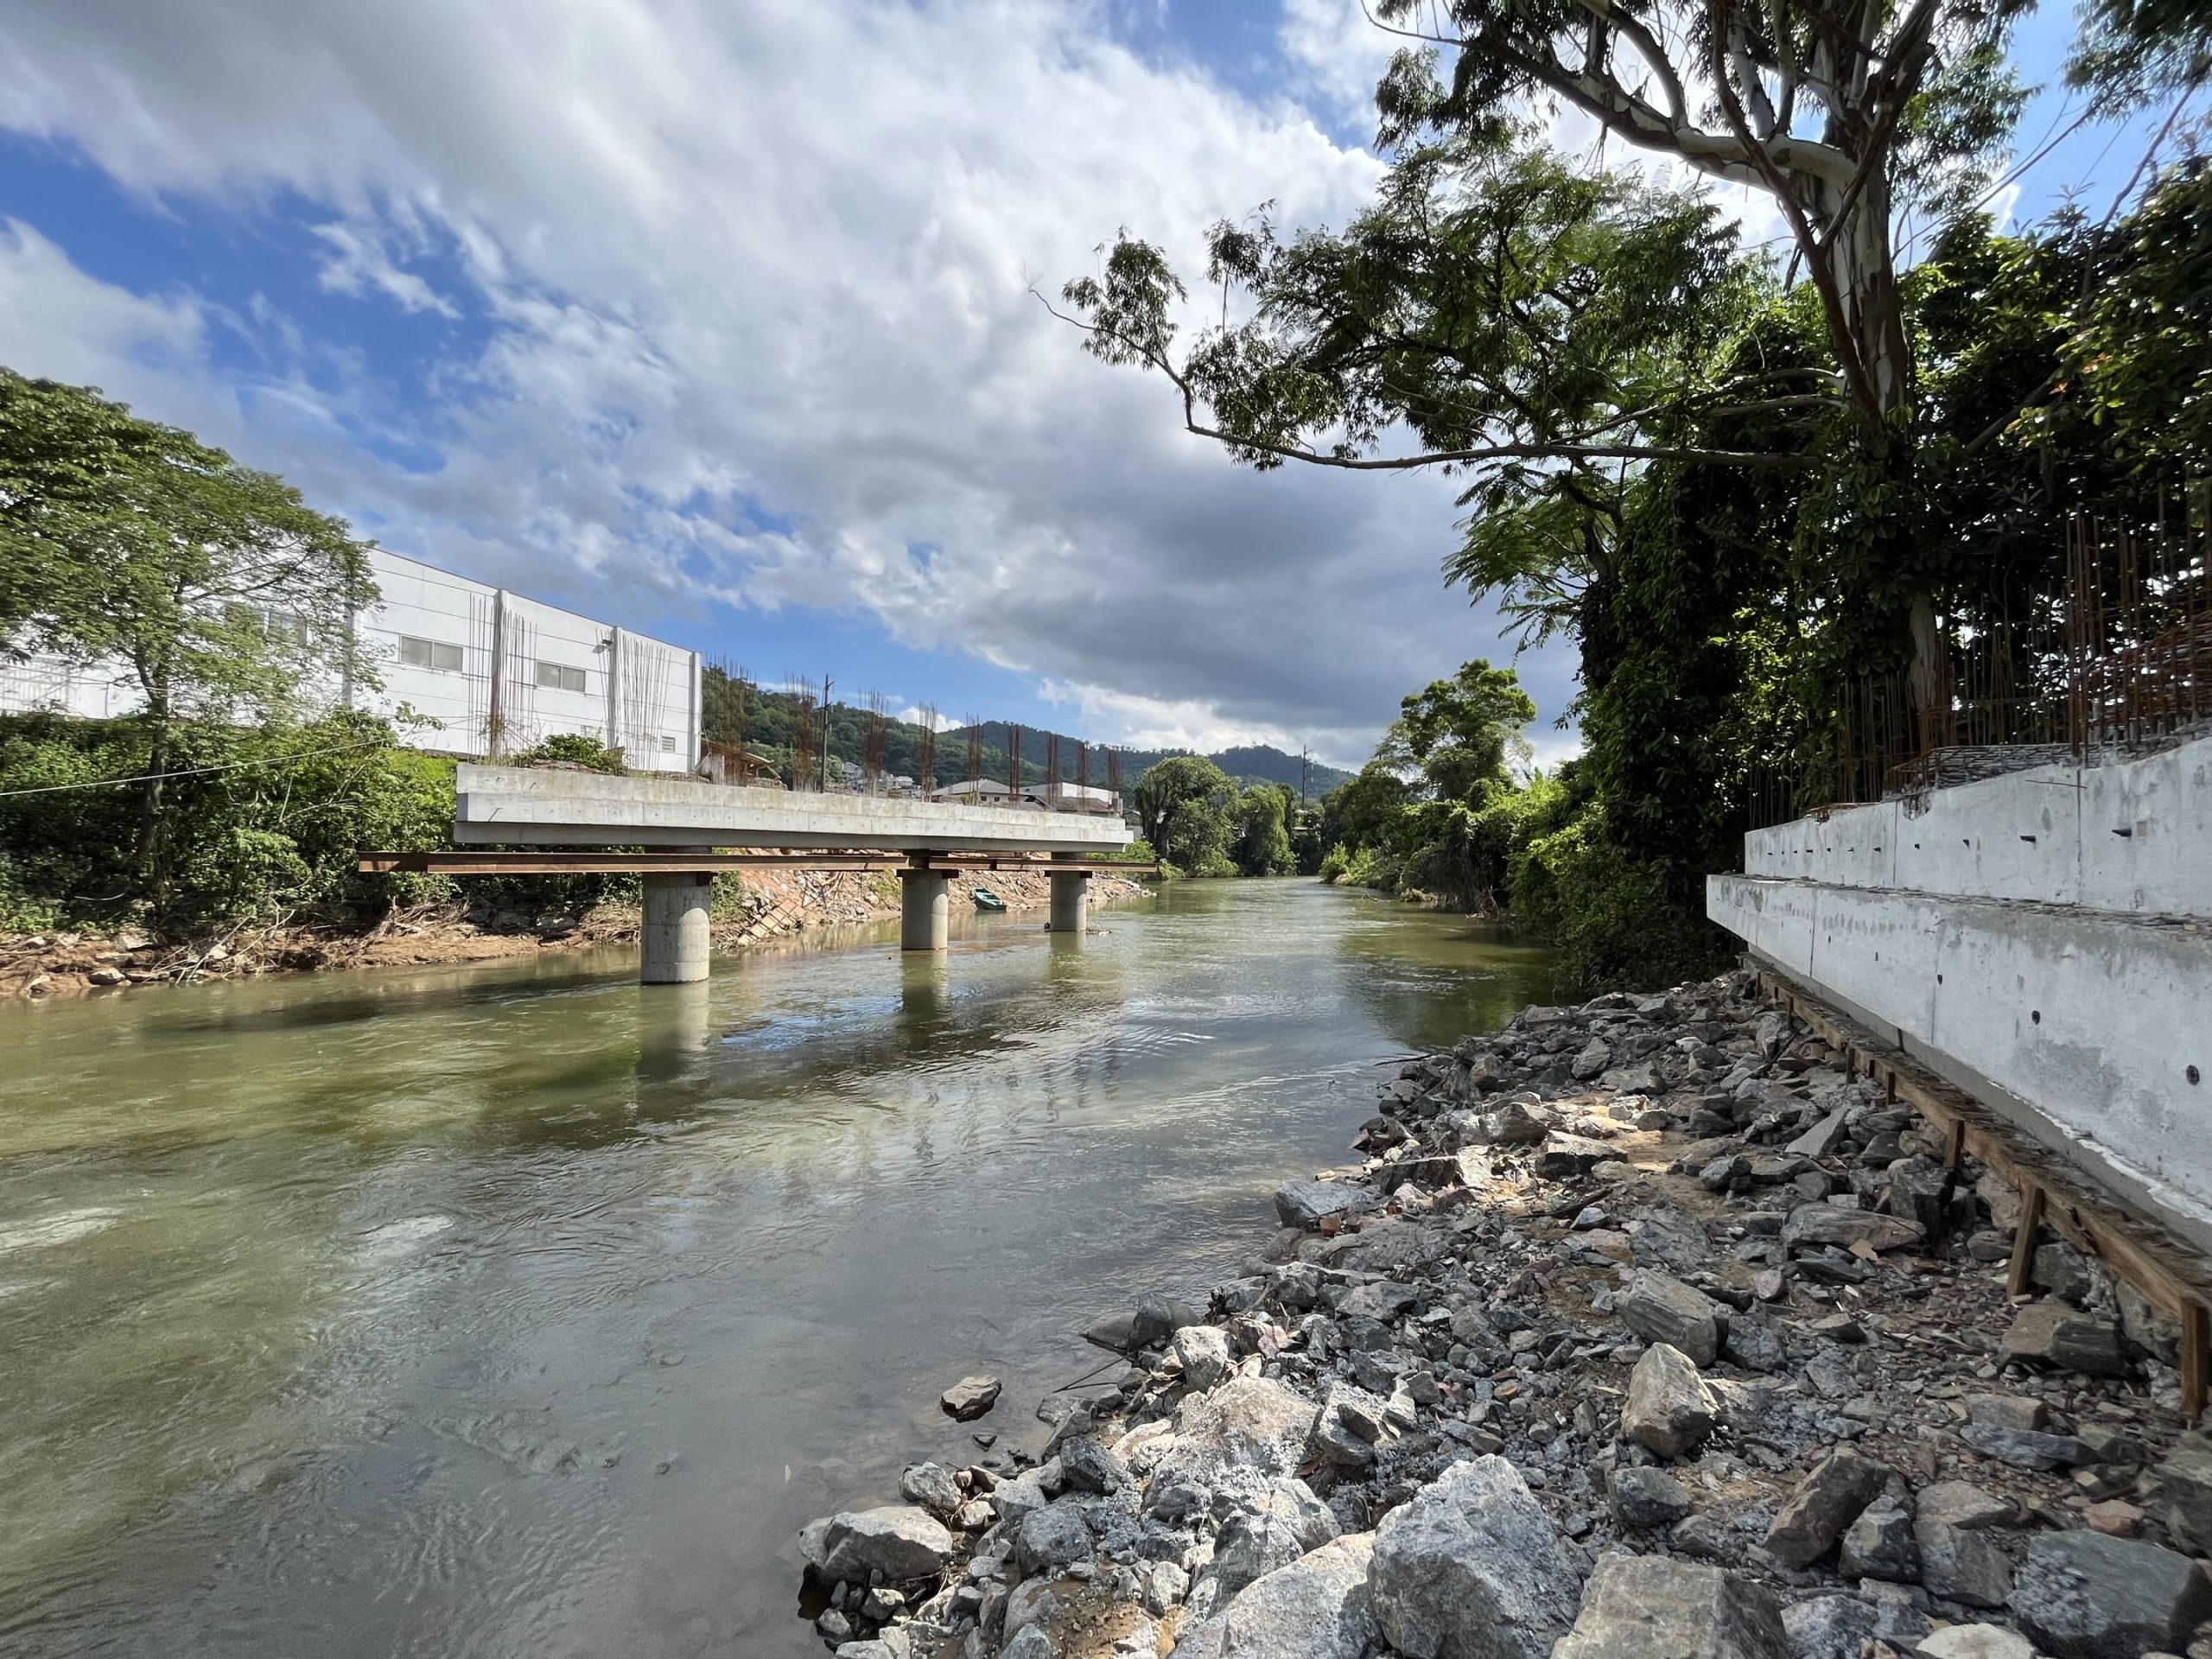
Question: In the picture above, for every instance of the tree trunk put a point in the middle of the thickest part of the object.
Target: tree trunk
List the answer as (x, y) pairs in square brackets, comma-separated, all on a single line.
[(150, 848), (1866, 284)]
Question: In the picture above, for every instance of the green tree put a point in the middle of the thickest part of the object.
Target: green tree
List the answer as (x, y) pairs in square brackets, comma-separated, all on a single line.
[(218, 588), (1262, 819), (1459, 731), (1182, 806)]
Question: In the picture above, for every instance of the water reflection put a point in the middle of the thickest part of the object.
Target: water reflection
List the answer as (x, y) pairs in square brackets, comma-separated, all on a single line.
[(521, 1309)]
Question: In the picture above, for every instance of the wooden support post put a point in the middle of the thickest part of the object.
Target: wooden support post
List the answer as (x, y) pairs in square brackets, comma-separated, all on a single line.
[(1955, 1140), (2018, 1277), (2195, 1353)]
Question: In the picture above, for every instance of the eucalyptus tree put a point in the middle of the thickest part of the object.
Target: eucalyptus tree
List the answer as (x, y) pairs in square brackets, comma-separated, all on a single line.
[(1551, 327)]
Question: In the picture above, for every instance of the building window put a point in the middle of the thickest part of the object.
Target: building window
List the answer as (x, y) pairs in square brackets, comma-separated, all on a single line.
[(560, 676), (668, 746), (430, 653)]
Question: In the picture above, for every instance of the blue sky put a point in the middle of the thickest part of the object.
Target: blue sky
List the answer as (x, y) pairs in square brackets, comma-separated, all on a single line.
[(713, 320)]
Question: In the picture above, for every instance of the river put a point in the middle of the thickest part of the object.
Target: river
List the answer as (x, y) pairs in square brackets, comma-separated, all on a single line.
[(522, 1310)]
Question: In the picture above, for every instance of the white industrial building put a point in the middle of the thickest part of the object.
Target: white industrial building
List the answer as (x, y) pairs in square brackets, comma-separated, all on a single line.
[(480, 661)]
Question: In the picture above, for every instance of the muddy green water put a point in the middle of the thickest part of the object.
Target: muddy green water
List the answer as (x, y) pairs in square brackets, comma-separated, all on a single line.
[(525, 1311)]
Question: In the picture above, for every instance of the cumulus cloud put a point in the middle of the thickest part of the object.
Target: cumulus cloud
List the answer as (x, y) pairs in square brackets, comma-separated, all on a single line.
[(746, 320)]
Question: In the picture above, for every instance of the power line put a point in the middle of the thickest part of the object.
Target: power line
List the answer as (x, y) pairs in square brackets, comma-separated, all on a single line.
[(195, 771)]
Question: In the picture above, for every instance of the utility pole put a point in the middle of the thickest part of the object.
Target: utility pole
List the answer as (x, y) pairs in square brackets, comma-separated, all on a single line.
[(825, 734), (1304, 770)]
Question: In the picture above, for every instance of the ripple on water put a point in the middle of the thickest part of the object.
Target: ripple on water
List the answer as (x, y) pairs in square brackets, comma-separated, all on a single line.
[(64, 1228)]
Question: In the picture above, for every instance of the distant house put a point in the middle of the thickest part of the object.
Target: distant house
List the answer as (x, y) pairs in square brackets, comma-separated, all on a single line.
[(1043, 797), (493, 670)]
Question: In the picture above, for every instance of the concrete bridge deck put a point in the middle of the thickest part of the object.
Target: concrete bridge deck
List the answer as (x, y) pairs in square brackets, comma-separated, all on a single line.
[(532, 806)]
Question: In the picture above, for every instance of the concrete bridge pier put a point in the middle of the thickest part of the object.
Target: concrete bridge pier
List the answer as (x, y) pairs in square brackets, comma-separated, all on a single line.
[(673, 945), (924, 909), (1070, 902)]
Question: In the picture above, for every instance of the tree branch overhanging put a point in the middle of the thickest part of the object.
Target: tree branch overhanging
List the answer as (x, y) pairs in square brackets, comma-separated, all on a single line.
[(1564, 449)]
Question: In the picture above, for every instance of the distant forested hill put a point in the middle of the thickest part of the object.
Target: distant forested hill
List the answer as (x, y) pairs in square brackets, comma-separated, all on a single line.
[(763, 725)]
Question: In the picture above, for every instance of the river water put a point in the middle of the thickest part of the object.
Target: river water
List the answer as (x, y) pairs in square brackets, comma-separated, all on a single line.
[(522, 1310)]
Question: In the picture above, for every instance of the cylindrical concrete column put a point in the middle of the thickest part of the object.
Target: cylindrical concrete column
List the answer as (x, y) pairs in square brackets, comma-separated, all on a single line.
[(1071, 903), (924, 909), (673, 945)]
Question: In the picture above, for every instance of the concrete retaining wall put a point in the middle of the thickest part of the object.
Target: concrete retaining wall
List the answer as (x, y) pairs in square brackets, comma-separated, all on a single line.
[(2078, 1025), (2042, 939), (536, 806), (2132, 837)]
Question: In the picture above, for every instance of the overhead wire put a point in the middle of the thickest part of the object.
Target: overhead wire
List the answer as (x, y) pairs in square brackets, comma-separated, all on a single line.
[(195, 771)]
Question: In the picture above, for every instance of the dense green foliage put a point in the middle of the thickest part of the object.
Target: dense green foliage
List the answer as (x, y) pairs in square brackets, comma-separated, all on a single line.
[(266, 822), (1755, 486), (221, 593)]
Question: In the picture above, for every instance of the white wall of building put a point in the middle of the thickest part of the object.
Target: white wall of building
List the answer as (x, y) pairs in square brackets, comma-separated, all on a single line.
[(431, 641)]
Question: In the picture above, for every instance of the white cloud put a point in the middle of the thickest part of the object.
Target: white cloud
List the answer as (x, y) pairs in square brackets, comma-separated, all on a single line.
[(748, 321), (1339, 53), (360, 263), (71, 327)]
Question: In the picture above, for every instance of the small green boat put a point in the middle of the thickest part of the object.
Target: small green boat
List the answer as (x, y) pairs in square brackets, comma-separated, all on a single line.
[(986, 900)]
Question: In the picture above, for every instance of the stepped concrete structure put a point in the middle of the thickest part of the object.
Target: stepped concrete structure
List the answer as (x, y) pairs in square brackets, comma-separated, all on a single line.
[(2041, 940), (532, 806)]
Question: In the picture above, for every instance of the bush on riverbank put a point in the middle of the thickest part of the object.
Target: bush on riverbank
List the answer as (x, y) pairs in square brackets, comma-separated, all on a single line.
[(263, 821), (1437, 819), (265, 824)]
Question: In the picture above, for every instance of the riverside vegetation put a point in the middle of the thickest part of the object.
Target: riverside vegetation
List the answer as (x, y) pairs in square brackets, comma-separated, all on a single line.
[(215, 829), (1641, 1328), (1761, 487)]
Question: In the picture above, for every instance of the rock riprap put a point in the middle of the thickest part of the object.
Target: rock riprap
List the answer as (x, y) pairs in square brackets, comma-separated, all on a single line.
[(1641, 1331)]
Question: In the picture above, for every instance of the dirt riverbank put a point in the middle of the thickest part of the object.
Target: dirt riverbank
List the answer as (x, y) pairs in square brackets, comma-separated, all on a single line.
[(775, 903)]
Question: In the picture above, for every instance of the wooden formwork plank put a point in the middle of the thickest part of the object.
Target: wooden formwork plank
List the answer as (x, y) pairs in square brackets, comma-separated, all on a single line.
[(2174, 1278)]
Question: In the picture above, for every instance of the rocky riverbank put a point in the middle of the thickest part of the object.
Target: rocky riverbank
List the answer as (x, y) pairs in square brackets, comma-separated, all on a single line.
[(775, 903), (1641, 1332)]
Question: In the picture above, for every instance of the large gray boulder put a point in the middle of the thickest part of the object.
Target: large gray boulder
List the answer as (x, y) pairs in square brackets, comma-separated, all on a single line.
[(900, 1541), (1469, 1567), (1652, 1607), (2059, 1335), (1048, 1539), (1282, 1523), (1308, 1204), (1839, 1626), (1830, 1224), (1670, 1409), (1248, 1422), (2081, 1595), (1661, 1308), (1880, 1544), (2025, 1448), (1958, 1559), (1642, 1498), (1826, 1502), (1317, 1607), (2185, 1480), (932, 1485), (1203, 1353)]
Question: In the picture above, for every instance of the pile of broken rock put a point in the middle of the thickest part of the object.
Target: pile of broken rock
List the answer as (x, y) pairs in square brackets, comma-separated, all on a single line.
[(1642, 1332)]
